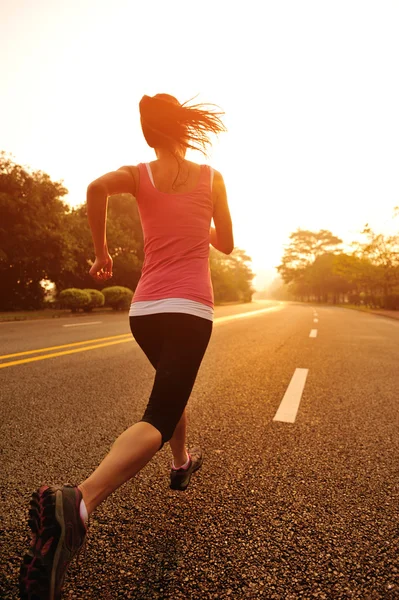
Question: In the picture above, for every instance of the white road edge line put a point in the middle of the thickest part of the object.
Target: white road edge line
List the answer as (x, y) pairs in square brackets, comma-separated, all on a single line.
[(78, 324), (250, 313), (313, 333), (289, 405)]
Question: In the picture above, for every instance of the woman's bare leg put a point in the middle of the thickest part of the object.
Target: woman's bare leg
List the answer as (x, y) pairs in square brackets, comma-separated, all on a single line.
[(178, 442), (132, 450)]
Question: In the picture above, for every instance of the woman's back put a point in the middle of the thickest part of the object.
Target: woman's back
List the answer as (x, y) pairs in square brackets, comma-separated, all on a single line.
[(176, 229), (172, 177), (170, 128)]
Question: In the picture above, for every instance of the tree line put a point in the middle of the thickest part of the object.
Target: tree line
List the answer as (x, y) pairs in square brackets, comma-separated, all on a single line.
[(44, 241), (314, 267)]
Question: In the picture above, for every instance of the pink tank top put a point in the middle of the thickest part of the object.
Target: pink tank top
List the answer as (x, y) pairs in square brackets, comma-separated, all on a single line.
[(176, 241)]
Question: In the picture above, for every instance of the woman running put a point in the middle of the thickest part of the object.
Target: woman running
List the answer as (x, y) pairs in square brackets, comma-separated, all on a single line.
[(170, 317)]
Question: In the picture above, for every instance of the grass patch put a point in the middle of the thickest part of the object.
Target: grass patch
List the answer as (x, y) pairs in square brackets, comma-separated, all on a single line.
[(356, 307), (393, 314), (49, 313)]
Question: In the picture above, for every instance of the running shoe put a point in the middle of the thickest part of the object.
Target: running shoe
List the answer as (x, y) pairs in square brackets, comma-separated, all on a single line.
[(58, 534), (180, 478)]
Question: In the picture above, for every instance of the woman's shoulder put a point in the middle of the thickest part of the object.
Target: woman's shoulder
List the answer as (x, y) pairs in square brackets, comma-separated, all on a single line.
[(131, 169), (217, 177)]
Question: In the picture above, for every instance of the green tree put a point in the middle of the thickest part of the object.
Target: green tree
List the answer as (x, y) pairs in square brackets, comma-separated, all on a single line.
[(314, 267), (324, 280), (125, 244), (43, 240), (358, 271), (305, 246), (382, 252), (378, 255), (231, 276), (33, 244), (125, 240)]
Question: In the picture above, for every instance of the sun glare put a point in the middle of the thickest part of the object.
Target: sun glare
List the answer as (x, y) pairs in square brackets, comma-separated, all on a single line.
[(312, 124)]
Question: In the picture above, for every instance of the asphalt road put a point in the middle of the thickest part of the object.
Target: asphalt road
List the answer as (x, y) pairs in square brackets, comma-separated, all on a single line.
[(305, 507)]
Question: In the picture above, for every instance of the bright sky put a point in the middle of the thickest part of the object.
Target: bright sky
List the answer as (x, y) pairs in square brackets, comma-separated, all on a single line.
[(310, 89)]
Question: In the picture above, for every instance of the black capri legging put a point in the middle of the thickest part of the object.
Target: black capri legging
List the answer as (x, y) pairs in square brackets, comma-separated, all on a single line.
[(175, 344)]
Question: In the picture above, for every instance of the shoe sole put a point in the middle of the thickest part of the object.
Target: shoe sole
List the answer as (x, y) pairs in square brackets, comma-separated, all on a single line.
[(37, 580), (178, 487)]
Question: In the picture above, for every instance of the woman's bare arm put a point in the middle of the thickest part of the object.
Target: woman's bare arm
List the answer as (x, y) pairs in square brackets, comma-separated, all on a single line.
[(221, 236), (122, 181)]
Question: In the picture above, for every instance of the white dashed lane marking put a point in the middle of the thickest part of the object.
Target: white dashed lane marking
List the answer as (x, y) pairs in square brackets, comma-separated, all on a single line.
[(313, 333), (86, 323), (288, 408)]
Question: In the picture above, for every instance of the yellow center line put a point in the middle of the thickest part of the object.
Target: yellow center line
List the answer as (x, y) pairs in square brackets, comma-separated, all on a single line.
[(117, 339), (35, 358), (111, 337)]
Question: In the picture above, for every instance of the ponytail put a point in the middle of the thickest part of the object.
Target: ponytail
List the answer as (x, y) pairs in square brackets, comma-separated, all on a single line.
[(165, 122)]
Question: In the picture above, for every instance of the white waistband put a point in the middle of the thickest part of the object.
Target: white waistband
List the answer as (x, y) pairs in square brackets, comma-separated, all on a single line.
[(171, 305)]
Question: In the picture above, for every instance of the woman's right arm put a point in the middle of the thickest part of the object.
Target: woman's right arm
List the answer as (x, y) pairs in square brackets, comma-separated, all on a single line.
[(221, 236), (124, 180)]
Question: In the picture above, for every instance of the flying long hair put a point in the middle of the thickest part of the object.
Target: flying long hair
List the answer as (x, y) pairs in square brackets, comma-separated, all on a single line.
[(167, 123)]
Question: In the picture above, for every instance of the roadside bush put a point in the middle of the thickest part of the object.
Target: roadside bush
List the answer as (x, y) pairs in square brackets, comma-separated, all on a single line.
[(354, 298), (96, 300), (74, 299), (246, 296), (374, 300), (392, 302), (118, 297)]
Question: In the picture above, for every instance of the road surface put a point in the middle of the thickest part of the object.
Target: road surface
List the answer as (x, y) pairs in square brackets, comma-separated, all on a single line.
[(296, 409)]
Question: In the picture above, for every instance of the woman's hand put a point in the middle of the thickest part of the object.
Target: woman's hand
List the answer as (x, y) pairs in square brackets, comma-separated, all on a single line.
[(101, 269)]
